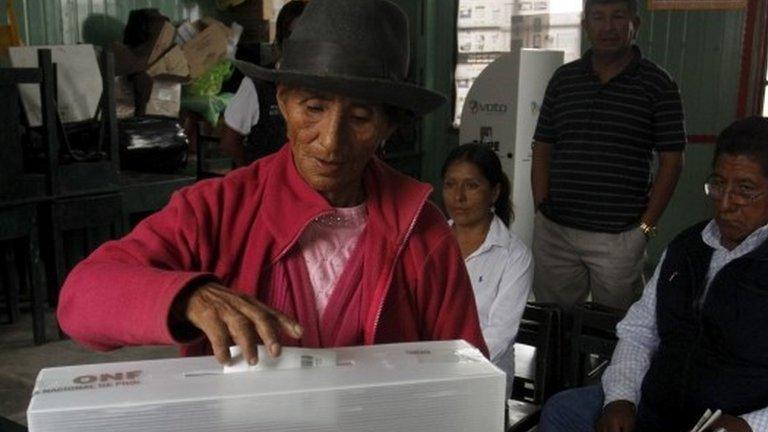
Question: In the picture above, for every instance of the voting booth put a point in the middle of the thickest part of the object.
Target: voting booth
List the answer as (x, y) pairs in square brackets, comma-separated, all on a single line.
[(501, 110)]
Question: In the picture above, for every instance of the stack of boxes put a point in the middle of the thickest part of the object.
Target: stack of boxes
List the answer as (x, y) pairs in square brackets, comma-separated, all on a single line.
[(150, 74)]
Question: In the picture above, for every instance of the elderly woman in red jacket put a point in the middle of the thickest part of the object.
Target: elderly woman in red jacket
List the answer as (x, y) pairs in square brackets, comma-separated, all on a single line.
[(319, 245)]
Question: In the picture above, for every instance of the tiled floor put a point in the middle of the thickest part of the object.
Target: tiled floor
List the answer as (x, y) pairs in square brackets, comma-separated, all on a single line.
[(21, 360)]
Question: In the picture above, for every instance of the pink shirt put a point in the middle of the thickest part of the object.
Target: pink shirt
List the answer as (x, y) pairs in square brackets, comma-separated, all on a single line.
[(327, 244)]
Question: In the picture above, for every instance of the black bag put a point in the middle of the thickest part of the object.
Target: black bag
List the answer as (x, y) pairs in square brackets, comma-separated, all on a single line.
[(152, 144)]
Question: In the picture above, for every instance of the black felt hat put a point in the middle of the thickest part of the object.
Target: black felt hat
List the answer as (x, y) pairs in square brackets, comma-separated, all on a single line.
[(357, 48)]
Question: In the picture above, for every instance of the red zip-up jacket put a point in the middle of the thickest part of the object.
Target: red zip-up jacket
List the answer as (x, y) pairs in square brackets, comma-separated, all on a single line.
[(234, 229)]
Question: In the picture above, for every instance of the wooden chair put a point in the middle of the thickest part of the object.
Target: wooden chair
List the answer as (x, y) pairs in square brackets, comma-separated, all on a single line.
[(23, 190), (593, 339), (17, 182), (80, 225), (85, 208), (145, 193), (101, 175), (80, 222), (536, 365), (142, 193), (18, 233), (210, 161)]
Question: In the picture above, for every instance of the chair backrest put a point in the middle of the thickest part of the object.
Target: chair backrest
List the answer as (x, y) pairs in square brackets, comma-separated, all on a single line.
[(91, 176), (11, 152), (593, 339), (210, 160), (537, 343)]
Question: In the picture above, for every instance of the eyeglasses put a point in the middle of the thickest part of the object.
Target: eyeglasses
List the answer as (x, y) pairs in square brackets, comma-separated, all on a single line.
[(739, 194)]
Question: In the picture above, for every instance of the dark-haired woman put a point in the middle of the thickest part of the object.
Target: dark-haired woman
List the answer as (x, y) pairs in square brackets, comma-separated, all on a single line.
[(476, 194)]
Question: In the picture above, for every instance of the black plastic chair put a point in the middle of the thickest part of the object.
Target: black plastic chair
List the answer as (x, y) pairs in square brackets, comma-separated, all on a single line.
[(85, 208), (536, 369), (10, 426), (99, 172), (210, 160), (80, 225), (593, 339), (17, 180), (20, 243), (23, 189)]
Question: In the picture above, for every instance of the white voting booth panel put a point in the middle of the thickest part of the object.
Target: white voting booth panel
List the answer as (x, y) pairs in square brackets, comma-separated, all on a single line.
[(445, 386), (501, 109)]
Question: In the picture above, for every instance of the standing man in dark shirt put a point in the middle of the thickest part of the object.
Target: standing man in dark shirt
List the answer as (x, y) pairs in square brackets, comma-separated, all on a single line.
[(603, 117)]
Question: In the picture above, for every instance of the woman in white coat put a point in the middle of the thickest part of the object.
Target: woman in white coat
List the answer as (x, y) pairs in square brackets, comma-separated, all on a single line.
[(476, 194)]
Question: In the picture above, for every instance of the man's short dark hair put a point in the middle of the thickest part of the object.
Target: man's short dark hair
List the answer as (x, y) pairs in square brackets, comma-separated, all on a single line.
[(747, 137), (631, 5)]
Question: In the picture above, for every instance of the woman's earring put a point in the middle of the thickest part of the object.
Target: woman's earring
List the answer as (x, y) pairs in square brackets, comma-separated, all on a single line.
[(493, 209)]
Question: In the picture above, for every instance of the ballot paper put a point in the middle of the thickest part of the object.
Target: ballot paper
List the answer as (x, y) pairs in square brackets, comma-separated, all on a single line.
[(291, 358), (445, 386)]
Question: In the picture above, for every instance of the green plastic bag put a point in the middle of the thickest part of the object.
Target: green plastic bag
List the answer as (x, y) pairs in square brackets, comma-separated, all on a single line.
[(209, 107), (210, 82)]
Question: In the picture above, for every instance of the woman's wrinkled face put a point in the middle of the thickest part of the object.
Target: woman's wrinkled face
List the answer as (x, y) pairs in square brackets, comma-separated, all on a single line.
[(467, 194), (333, 138)]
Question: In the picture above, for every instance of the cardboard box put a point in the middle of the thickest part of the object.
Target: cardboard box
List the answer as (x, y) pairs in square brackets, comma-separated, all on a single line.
[(146, 95), (164, 98), (130, 60), (445, 386), (206, 48), (163, 42), (172, 64), (127, 62)]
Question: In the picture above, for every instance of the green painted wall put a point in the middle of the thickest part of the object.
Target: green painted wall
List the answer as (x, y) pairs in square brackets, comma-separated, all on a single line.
[(702, 51)]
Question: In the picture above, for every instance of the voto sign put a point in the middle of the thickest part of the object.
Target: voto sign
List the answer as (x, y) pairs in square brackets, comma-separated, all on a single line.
[(481, 107)]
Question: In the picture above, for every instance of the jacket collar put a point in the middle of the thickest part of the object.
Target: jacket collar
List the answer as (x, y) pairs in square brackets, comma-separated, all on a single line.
[(498, 236), (754, 245), (393, 200), (586, 61)]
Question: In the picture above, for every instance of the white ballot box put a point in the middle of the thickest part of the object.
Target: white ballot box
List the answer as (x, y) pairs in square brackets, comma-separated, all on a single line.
[(441, 386)]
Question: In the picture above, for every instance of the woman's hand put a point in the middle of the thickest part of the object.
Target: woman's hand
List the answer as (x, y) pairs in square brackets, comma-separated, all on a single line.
[(618, 416), (226, 317)]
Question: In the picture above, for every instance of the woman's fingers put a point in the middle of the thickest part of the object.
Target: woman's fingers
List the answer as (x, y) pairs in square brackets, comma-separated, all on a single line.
[(244, 335), (288, 325), (219, 337), (265, 324), (226, 317)]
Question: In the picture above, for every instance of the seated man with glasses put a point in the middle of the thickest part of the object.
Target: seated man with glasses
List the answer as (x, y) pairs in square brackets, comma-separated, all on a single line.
[(697, 338)]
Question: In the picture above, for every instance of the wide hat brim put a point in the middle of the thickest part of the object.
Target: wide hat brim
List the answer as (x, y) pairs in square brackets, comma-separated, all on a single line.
[(411, 97)]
